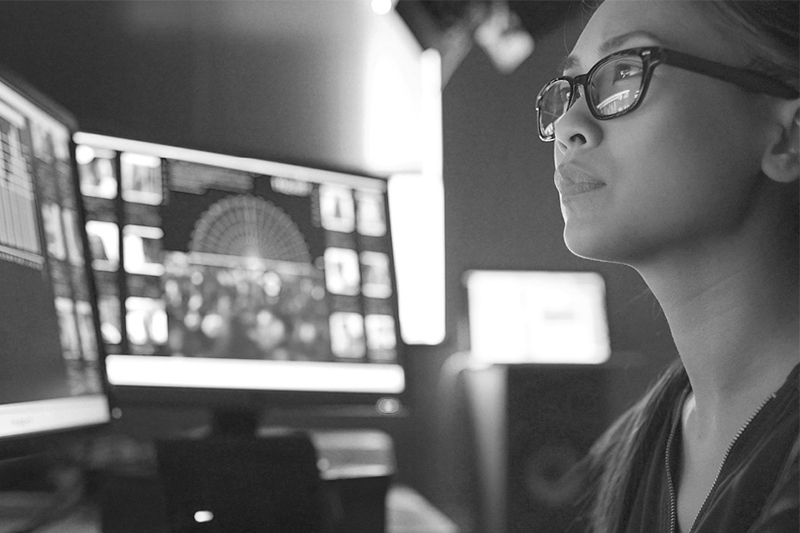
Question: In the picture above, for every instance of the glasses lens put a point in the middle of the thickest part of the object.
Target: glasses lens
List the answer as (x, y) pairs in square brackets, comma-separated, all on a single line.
[(553, 103), (616, 85)]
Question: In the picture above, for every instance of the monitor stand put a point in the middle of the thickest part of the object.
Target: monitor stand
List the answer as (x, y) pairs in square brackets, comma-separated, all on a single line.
[(234, 480), (238, 423)]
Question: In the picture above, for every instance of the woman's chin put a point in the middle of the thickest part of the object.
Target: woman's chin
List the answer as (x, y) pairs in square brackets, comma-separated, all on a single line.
[(595, 247)]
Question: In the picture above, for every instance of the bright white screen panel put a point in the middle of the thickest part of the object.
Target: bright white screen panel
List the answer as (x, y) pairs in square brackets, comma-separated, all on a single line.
[(537, 317)]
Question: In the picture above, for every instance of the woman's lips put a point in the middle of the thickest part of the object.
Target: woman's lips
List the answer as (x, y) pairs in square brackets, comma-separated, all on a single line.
[(572, 181)]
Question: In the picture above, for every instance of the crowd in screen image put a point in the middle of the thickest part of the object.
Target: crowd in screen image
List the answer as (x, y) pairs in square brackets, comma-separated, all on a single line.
[(217, 311)]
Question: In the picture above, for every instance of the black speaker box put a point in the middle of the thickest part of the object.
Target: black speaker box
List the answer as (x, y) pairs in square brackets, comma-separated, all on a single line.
[(532, 424)]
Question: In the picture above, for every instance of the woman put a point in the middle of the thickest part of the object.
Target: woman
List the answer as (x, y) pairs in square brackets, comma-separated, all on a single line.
[(676, 131)]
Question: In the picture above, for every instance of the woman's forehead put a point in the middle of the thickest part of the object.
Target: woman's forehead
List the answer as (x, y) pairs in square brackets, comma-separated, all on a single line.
[(680, 24)]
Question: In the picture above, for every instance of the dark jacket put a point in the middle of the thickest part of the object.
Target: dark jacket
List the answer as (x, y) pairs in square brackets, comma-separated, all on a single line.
[(757, 487)]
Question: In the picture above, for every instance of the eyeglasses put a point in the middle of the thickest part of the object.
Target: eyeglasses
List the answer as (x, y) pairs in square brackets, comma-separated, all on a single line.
[(616, 84)]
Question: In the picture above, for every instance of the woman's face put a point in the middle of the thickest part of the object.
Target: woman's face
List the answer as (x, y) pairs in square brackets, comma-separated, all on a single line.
[(679, 173)]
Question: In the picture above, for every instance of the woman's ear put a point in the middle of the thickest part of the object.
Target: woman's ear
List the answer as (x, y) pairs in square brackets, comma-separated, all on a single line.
[(781, 160)]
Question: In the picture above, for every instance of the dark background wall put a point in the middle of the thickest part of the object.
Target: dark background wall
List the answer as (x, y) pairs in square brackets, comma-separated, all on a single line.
[(235, 77), (262, 97)]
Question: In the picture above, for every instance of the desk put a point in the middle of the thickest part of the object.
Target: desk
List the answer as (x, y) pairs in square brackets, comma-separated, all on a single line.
[(407, 512)]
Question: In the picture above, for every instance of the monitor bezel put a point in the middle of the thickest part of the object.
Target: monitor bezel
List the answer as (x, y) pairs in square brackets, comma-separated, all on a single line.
[(13, 447)]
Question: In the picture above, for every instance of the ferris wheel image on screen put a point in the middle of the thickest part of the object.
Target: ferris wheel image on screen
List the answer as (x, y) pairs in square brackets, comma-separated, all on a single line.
[(247, 226)]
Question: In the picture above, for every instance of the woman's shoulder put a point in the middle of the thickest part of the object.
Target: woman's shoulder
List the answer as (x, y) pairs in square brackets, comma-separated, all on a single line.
[(782, 510), (781, 513)]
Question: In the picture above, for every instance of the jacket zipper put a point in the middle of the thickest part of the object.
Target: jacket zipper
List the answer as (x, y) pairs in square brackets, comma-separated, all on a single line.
[(673, 511)]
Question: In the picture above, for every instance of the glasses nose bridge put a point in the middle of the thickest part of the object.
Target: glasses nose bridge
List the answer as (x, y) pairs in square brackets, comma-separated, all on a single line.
[(578, 90), (579, 84)]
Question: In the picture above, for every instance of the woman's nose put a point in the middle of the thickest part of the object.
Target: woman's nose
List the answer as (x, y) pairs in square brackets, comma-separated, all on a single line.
[(577, 126)]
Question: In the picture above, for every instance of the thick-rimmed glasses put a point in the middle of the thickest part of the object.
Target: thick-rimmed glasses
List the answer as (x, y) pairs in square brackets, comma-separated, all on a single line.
[(616, 84)]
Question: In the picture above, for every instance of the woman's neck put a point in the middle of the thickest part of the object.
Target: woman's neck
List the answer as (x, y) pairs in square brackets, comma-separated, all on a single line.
[(735, 320)]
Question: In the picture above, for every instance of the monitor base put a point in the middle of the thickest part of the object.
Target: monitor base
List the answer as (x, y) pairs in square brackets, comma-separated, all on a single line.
[(240, 423)]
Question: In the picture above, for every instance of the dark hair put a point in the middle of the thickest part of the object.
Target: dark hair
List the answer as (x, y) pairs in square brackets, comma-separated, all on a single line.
[(621, 453), (770, 36)]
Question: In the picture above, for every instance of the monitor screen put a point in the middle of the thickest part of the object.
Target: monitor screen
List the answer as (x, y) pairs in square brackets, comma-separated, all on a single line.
[(537, 317), (217, 272), (51, 363)]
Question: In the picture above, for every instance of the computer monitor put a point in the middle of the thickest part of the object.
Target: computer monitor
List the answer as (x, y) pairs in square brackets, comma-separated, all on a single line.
[(232, 282), (51, 362)]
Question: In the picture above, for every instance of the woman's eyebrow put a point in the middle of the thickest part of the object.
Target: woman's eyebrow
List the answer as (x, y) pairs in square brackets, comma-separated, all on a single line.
[(569, 62), (611, 44)]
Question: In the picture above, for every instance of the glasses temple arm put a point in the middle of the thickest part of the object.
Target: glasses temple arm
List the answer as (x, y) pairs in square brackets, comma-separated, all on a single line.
[(748, 79)]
